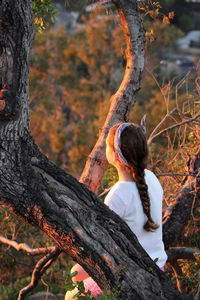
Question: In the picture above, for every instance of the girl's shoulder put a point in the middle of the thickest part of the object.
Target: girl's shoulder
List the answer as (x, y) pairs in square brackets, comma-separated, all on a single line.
[(120, 196), (149, 173), (123, 188), (152, 180)]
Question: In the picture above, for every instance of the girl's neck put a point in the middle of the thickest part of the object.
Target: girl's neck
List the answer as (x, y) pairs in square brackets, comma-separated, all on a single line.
[(123, 174)]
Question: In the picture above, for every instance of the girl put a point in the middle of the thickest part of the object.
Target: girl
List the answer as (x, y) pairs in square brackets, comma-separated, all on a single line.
[(136, 197)]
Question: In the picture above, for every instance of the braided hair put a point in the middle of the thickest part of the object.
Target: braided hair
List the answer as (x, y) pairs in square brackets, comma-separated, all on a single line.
[(135, 150)]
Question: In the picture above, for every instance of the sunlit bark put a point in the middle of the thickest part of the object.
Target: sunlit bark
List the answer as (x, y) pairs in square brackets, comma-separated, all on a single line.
[(124, 99), (42, 265), (25, 247)]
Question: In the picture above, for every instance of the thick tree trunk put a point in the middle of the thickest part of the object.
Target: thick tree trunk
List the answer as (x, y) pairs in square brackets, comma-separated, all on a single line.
[(80, 224), (124, 99), (16, 35), (52, 200)]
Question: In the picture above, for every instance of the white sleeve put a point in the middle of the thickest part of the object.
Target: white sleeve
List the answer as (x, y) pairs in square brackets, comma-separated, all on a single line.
[(115, 203)]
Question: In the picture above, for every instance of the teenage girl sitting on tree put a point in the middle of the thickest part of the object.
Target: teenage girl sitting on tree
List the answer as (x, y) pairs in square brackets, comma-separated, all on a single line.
[(136, 197)]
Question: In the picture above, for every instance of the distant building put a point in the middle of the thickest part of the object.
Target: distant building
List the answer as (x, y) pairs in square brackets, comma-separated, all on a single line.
[(190, 42), (177, 64)]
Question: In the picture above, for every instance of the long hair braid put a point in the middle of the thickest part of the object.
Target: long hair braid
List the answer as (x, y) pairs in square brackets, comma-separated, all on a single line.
[(138, 175), (135, 150)]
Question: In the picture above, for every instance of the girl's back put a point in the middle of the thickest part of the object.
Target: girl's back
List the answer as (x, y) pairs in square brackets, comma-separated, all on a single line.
[(125, 200)]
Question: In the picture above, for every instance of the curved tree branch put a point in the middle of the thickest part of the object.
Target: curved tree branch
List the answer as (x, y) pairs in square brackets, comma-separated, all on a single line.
[(124, 99), (155, 135), (25, 247), (42, 265), (156, 129), (178, 273)]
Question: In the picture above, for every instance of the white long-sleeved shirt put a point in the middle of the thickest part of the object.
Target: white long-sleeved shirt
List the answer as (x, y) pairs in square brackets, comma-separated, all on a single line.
[(124, 199)]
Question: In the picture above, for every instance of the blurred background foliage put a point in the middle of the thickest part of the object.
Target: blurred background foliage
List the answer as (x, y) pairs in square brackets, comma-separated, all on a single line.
[(72, 78)]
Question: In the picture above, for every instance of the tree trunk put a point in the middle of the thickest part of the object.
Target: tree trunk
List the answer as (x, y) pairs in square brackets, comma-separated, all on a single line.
[(80, 224), (187, 199), (124, 99), (52, 200)]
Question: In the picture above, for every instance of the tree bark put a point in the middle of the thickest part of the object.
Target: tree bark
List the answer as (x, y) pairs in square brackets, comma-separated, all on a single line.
[(51, 199), (81, 225), (42, 265), (188, 198), (124, 99), (16, 35)]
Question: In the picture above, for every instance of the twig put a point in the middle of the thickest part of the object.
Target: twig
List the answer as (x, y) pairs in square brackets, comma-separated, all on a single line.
[(25, 247), (177, 272), (14, 258), (160, 124), (42, 265), (172, 127), (105, 192), (47, 286), (174, 174)]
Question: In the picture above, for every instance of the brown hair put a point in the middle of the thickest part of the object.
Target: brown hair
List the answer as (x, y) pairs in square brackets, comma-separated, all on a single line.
[(134, 148)]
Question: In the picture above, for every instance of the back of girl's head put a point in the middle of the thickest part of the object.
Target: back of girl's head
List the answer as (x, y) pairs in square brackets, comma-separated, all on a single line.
[(135, 150), (133, 144)]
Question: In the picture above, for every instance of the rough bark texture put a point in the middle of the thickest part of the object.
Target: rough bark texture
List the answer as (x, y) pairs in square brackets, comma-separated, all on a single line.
[(124, 99), (42, 265), (47, 197), (187, 199), (16, 34), (80, 224), (182, 253)]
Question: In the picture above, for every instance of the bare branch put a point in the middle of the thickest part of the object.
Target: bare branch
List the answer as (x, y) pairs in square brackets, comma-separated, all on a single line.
[(6, 252), (151, 137), (177, 272), (123, 100), (42, 265), (25, 247), (104, 192), (170, 83), (174, 174), (173, 126), (181, 253)]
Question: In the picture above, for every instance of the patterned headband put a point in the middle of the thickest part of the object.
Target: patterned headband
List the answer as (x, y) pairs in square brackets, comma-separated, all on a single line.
[(117, 139)]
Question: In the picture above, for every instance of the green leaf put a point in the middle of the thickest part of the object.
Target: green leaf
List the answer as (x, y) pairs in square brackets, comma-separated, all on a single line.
[(73, 274), (69, 287)]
